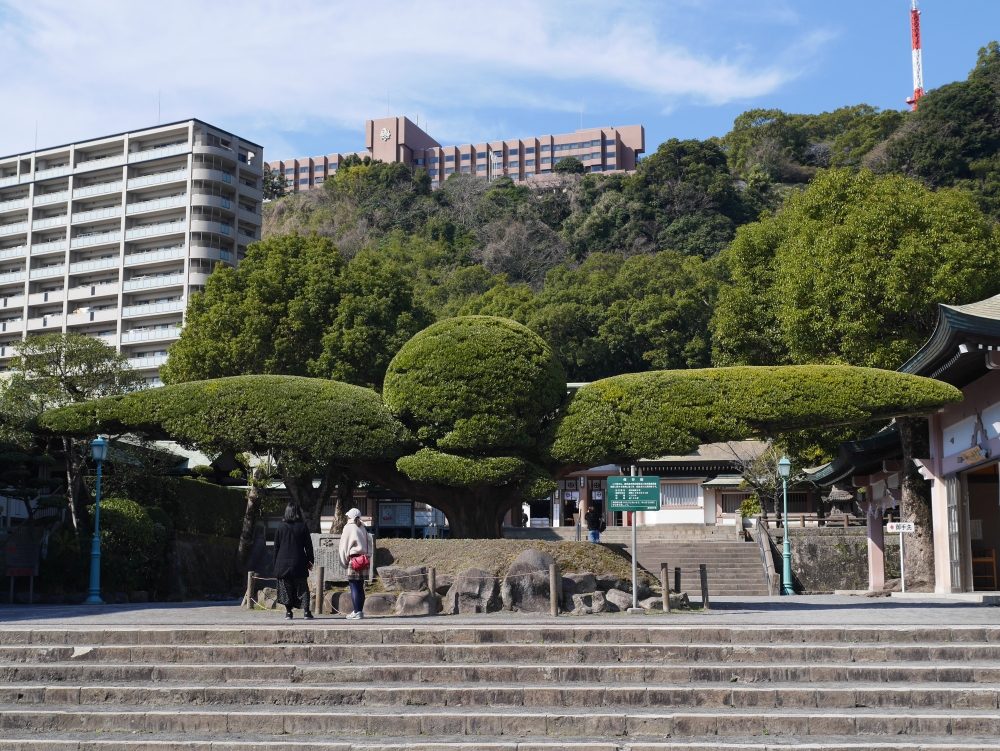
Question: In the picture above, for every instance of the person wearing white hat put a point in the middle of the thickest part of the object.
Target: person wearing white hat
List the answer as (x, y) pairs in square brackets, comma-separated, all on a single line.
[(355, 556)]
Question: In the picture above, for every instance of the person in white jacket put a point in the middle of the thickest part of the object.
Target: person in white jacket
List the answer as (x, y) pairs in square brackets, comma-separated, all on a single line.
[(355, 541)]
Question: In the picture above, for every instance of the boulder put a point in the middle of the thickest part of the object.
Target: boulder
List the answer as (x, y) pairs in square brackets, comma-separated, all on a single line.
[(526, 585), (416, 603), (338, 602), (618, 599), (443, 582), (381, 603), (651, 603), (474, 591), (121, 598), (77, 598), (578, 584), (139, 596), (588, 603), (610, 581), (400, 579), (268, 598)]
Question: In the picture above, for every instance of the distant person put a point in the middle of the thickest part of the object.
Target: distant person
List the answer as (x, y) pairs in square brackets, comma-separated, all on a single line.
[(595, 523), (355, 556), (293, 559)]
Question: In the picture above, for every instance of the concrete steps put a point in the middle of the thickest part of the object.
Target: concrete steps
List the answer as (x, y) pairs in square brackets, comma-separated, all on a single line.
[(550, 685), (734, 568)]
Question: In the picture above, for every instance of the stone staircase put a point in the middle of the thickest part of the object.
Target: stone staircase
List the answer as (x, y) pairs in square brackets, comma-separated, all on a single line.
[(734, 568), (612, 685)]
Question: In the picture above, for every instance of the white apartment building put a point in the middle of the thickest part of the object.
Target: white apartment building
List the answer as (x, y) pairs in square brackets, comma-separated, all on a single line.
[(110, 237)]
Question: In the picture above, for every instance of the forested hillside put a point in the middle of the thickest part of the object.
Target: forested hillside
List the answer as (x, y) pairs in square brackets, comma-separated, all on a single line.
[(794, 238)]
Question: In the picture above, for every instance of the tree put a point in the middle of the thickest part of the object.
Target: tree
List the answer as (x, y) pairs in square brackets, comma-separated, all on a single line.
[(52, 370), (274, 184), (474, 417), (569, 165)]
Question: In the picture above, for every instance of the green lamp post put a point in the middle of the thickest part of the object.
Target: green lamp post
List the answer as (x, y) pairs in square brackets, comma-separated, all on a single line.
[(784, 468), (99, 452)]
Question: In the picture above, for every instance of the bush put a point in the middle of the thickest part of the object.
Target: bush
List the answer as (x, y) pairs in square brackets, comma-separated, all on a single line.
[(132, 546), (750, 506)]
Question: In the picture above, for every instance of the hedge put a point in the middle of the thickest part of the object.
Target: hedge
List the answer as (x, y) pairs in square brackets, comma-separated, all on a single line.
[(132, 546), (207, 509), (670, 412)]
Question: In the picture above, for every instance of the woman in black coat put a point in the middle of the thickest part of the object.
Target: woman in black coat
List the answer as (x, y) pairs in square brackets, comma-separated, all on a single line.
[(293, 559)]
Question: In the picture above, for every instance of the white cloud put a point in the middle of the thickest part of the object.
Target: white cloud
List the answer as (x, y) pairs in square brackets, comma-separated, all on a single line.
[(266, 69)]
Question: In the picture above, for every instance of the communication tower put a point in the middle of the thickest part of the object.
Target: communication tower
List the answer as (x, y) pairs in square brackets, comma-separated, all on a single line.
[(918, 63)]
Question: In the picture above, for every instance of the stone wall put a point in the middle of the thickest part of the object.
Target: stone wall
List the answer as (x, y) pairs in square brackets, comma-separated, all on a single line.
[(199, 565), (825, 559)]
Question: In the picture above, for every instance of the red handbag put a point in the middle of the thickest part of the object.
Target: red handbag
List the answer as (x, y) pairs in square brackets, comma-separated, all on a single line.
[(360, 562)]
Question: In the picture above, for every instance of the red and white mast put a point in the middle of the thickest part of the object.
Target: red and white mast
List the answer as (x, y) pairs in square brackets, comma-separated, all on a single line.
[(918, 64)]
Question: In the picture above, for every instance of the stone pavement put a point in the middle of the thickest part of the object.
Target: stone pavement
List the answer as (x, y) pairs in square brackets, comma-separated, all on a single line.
[(807, 610)]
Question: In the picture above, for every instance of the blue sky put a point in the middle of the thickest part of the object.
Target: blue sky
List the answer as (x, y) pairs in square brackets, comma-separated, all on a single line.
[(301, 76)]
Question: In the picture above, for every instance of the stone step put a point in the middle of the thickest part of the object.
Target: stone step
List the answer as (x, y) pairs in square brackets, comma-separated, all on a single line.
[(507, 653), (955, 674), (163, 742), (622, 695), (487, 721), (556, 631)]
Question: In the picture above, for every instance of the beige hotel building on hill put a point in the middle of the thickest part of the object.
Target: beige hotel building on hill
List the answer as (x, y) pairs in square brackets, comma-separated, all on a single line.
[(398, 139), (109, 237)]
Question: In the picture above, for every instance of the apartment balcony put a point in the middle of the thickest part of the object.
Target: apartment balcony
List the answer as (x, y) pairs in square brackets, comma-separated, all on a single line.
[(250, 169), (158, 178), (46, 298), (53, 246), (52, 322), (153, 309), (212, 254), (247, 235), (100, 163), (147, 363), (48, 271), (250, 217), (98, 189), (93, 291), (155, 282), (251, 192), (142, 207), (17, 203), (77, 318), (51, 221), (95, 264), (159, 152), (12, 276), (151, 335), (46, 198), (218, 202), (203, 147), (15, 228), (201, 225), (96, 238), (204, 173), (108, 212), (12, 327), (9, 180), (154, 230), (59, 171), (18, 251), (199, 277), (154, 256), (12, 302)]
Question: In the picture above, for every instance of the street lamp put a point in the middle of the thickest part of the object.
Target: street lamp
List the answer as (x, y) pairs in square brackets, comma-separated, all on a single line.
[(99, 452), (784, 467)]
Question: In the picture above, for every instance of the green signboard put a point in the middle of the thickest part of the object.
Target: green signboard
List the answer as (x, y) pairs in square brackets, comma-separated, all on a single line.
[(633, 494)]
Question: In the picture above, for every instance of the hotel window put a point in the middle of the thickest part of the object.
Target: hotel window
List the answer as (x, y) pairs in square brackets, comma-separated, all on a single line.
[(432, 172), (611, 165), (513, 163), (546, 160), (513, 152), (303, 169), (449, 170), (546, 148), (529, 162), (480, 155), (530, 150), (449, 158), (304, 181), (480, 168), (595, 168), (432, 160), (466, 157), (290, 171), (418, 161), (466, 168), (679, 494)]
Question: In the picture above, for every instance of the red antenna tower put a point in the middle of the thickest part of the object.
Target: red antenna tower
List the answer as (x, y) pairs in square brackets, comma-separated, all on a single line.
[(918, 63)]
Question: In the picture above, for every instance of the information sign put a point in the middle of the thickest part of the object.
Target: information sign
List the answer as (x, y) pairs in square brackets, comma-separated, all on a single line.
[(633, 493), (899, 527), (22, 558)]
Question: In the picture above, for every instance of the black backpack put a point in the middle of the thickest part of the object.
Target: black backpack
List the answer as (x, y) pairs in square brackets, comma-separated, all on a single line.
[(604, 524)]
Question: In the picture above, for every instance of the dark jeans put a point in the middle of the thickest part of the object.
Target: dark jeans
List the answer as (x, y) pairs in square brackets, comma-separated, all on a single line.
[(357, 595)]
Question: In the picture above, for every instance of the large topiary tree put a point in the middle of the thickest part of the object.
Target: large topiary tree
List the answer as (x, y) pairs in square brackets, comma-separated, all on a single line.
[(475, 417)]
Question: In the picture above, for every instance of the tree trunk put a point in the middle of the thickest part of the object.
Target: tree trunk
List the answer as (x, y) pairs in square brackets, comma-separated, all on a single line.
[(311, 500), (75, 466), (249, 526), (916, 508), (346, 480)]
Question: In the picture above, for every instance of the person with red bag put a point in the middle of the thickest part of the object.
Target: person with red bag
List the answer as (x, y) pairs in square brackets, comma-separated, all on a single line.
[(355, 556)]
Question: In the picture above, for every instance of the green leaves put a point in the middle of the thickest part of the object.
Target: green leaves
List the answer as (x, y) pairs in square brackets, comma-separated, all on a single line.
[(428, 465), (633, 416)]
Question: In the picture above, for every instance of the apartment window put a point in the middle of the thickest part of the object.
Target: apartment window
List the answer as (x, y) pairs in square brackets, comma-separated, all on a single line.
[(513, 152), (546, 148), (529, 162), (480, 168), (432, 160), (611, 165), (290, 171), (449, 158), (595, 168), (530, 150), (418, 161), (319, 180), (432, 172), (466, 157), (304, 181), (480, 155), (276, 172), (466, 168), (611, 154), (529, 174), (546, 160), (449, 170), (303, 169), (319, 167), (514, 163), (546, 172)]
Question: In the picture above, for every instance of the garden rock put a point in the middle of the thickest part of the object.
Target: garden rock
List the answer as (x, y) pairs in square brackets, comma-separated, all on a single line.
[(651, 603), (381, 603), (588, 603), (610, 581), (443, 582), (338, 602), (400, 579), (416, 603), (474, 591), (121, 598), (618, 599), (579, 584), (526, 586), (268, 598), (139, 596)]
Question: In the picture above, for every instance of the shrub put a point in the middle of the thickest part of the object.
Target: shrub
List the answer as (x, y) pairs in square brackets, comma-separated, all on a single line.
[(132, 546), (750, 506)]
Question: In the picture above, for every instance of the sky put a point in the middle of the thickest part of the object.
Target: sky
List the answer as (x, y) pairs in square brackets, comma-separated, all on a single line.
[(300, 77)]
